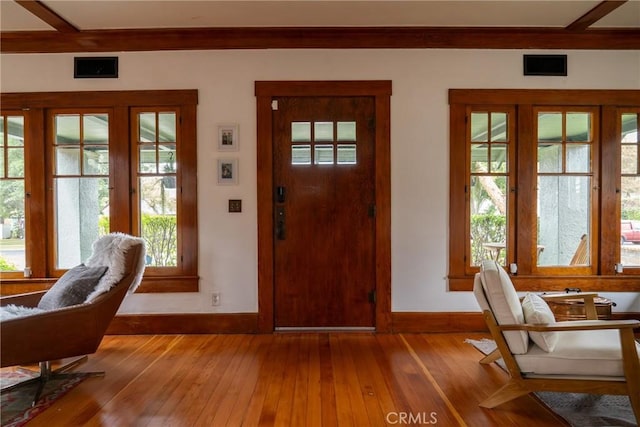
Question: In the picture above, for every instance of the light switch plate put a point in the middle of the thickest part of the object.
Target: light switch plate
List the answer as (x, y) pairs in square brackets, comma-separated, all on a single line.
[(235, 205)]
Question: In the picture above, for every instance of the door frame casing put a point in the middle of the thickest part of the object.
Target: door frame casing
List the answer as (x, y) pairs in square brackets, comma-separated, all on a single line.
[(265, 92)]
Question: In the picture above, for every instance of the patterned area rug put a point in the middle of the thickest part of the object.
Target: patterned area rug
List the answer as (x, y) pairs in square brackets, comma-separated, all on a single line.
[(16, 409), (578, 409)]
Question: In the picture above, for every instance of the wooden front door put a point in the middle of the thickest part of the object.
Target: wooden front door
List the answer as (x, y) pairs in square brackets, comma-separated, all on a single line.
[(324, 211)]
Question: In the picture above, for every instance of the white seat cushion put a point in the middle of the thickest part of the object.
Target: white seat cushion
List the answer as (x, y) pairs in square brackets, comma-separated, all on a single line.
[(505, 304), (578, 353)]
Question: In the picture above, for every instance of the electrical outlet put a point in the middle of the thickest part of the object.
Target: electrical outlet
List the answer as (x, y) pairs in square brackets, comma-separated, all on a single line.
[(215, 298)]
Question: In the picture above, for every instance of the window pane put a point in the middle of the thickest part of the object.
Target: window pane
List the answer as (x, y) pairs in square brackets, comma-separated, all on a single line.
[(15, 135), (578, 127), (167, 123), (67, 129), (16, 162), (499, 128), (67, 160), (12, 196), (630, 191), (301, 131), (80, 205), (479, 157), (629, 127), (158, 223), (564, 204), (550, 127), (488, 218), (301, 155), (323, 131), (479, 127), (96, 129), (323, 154), (347, 154), (346, 131), (578, 158), (96, 160), (147, 162), (498, 158), (147, 127), (629, 159), (12, 247), (549, 158)]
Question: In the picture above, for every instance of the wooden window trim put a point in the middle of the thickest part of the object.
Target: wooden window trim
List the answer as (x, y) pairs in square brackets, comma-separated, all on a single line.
[(34, 105), (610, 103)]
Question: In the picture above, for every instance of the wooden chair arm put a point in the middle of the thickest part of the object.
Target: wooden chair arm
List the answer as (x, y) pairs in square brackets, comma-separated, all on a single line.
[(578, 325), (577, 295), (30, 299), (587, 297)]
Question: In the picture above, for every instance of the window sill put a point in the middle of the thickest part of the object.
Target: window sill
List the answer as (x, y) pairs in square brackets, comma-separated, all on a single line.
[(617, 283), (158, 284)]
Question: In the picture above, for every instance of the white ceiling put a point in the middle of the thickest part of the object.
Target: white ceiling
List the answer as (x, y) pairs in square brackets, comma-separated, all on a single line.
[(120, 14)]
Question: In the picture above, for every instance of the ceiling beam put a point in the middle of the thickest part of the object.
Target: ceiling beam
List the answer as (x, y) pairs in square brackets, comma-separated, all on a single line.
[(50, 17), (597, 13), (317, 38)]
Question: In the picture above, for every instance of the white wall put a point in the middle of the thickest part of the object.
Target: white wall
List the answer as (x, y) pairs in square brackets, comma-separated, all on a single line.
[(419, 148)]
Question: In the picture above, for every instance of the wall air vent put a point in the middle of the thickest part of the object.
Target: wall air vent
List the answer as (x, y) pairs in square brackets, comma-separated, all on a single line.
[(104, 67), (545, 65)]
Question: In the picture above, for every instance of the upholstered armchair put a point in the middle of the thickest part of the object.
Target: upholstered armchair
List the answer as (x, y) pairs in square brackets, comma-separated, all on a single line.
[(71, 318), (585, 356)]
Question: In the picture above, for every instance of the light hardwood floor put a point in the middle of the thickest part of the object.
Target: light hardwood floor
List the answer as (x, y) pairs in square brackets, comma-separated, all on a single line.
[(319, 379)]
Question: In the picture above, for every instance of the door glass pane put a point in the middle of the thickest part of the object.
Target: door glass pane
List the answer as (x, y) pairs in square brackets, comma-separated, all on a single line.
[(323, 131), (80, 203), (564, 204), (300, 154), (630, 191), (301, 131), (323, 154), (488, 218), (12, 198), (346, 154), (346, 131)]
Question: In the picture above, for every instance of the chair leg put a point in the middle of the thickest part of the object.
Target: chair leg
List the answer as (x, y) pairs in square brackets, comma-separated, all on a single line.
[(491, 357), (507, 392), (46, 374)]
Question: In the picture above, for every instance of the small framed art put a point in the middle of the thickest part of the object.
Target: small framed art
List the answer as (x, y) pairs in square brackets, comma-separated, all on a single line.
[(228, 139), (227, 171)]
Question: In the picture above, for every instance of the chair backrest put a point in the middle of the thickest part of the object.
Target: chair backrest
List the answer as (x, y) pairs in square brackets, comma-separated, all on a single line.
[(498, 294), (580, 257)]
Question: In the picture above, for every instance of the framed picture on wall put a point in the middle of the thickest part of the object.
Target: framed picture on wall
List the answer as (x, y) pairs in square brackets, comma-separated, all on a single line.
[(227, 171), (228, 138)]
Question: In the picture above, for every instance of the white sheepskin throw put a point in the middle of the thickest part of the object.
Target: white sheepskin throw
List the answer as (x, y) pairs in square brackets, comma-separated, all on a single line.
[(109, 251), (12, 311)]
